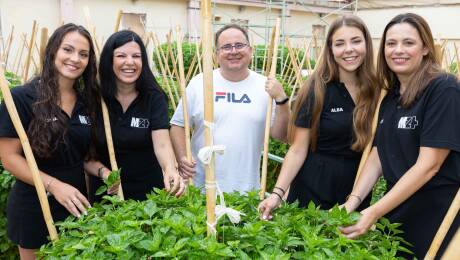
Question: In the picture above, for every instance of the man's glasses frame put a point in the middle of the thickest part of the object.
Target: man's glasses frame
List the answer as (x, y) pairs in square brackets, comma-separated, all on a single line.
[(227, 48)]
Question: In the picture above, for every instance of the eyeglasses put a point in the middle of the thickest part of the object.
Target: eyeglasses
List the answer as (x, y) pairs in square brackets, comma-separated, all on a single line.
[(229, 47)]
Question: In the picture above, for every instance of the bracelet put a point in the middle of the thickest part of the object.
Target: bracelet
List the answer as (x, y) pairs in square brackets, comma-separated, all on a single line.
[(284, 192), (356, 196), (99, 172), (281, 198), (282, 102)]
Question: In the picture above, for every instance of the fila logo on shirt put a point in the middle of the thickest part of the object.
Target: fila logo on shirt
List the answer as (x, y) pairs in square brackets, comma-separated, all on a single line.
[(231, 97), (336, 109), (140, 122), (408, 122), (84, 120)]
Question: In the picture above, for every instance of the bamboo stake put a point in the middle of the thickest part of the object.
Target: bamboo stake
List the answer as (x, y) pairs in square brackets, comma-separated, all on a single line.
[(444, 228), (174, 64), (118, 20), (453, 250), (296, 66), (18, 59), (263, 181), (29, 55), (163, 72), (108, 130), (265, 58), (43, 41), (32, 57), (163, 59), (6, 52), (180, 58), (198, 53), (191, 68), (38, 183), (368, 147), (457, 59), (208, 113)]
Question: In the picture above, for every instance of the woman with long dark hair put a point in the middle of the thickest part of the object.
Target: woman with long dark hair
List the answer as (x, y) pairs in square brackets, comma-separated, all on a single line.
[(331, 121), (417, 143), (56, 109), (138, 112)]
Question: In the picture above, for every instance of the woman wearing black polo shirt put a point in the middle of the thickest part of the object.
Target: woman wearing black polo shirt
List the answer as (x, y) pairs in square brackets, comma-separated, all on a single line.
[(417, 144), (138, 112), (331, 123), (56, 110)]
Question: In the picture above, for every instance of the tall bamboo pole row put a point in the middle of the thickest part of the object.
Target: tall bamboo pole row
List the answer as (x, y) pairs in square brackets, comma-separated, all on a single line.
[(263, 180), (162, 68), (25, 73)]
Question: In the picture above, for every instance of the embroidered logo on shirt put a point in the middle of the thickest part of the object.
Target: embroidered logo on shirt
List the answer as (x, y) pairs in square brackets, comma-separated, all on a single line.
[(336, 109), (408, 122), (140, 122), (381, 121), (231, 97), (84, 120)]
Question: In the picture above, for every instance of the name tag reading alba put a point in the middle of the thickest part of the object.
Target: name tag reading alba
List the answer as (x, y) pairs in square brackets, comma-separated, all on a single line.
[(137, 122), (336, 109)]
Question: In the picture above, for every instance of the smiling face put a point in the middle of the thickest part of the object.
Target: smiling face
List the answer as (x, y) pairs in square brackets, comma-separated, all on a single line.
[(233, 60), (127, 63), (72, 56), (348, 48), (404, 49)]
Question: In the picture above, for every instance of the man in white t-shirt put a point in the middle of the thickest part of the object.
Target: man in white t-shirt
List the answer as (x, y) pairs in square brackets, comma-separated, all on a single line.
[(240, 105)]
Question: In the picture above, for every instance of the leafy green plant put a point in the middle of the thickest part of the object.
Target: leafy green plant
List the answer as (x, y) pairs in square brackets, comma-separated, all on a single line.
[(167, 227), (112, 179), (13, 81), (7, 249)]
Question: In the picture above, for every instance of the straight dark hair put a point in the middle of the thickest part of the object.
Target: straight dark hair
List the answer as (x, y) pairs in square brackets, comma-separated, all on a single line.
[(230, 26), (428, 69), (45, 134), (146, 83)]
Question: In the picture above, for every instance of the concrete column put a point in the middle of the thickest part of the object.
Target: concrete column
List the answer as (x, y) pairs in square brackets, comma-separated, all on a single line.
[(67, 11), (193, 20)]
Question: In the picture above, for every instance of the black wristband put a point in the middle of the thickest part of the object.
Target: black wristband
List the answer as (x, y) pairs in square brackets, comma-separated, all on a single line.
[(281, 198), (284, 192), (282, 102)]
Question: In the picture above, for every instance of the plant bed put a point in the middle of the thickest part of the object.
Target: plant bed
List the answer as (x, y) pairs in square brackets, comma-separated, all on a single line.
[(169, 227)]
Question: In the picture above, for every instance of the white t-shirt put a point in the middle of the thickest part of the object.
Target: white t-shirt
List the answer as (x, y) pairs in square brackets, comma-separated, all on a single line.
[(239, 122)]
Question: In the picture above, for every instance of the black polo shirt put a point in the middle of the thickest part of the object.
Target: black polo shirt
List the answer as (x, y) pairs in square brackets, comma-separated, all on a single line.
[(132, 139), (432, 121), (335, 135), (66, 162)]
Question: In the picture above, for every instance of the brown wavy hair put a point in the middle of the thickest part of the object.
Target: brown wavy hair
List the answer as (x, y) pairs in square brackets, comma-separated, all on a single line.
[(326, 71), (45, 133), (428, 69)]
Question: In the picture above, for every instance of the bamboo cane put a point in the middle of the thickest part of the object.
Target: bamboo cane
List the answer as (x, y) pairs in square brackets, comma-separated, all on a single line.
[(453, 250), (191, 68), (6, 53), (43, 41), (368, 147), (199, 58), (108, 130), (294, 64), (118, 20), (444, 227), (183, 94), (32, 57), (25, 74), (208, 112), (270, 53), (264, 58), (457, 60), (163, 59), (263, 180), (174, 64), (38, 183), (18, 59), (163, 72)]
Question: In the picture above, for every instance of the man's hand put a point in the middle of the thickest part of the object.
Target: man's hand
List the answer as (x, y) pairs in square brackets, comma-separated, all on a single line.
[(274, 89), (186, 168)]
